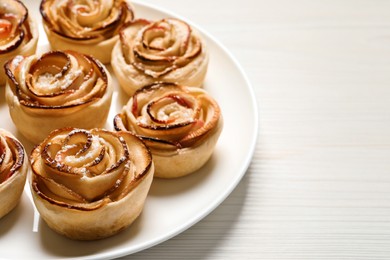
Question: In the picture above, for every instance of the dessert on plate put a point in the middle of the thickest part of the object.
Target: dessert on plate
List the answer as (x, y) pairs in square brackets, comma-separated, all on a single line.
[(180, 125), (14, 166), (89, 27), (18, 33), (90, 184), (167, 50), (57, 89)]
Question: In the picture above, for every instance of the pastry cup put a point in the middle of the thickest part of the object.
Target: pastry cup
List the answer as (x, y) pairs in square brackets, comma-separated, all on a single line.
[(19, 35), (55, 90), (167, 50), (180, 125), (92, 184), (89, 27), (14, 167)]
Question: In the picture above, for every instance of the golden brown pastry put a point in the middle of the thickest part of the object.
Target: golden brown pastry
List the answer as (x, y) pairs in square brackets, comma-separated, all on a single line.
[(167, 50), (14, 166), (90, 184), (55, 90), (180, 125), (18, 33), (89, 27)]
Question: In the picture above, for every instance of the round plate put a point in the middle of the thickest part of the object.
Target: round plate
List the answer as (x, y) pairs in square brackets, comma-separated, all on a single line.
[(172, 206)]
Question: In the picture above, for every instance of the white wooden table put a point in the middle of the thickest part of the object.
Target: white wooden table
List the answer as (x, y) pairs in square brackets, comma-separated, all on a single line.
[(319, 183)]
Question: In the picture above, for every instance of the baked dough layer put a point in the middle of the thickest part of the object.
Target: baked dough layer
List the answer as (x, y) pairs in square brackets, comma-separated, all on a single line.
[(57, 89), (19, 35), (167, 50), (91, 184), (89, 27), (14, 167), (180, 125)]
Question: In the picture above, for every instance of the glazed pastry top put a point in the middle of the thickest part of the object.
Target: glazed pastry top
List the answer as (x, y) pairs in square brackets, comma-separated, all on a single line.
[(157, 48), (91, 21), (57, 80), (15, 30)]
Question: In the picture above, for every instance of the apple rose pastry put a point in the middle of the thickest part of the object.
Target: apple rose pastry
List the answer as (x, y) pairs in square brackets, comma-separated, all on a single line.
[(168, 50), (180, 125), (14, 166), (90, 184), (18, 33), (55, 90), (89, 27)]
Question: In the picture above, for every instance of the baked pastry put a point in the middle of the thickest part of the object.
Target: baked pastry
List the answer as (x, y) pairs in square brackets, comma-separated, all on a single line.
[(55, 90), (89, 27), (14, 166), (180, 125), (18, 33), (167, 50), (91, 184)]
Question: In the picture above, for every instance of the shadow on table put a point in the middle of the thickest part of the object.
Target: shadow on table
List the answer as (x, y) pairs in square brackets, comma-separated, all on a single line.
[(204, 237)]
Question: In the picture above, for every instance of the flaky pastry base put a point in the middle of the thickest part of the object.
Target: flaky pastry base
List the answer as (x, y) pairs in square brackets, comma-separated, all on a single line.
[(36, 126), (101, 50), (180, 125), (187, 160), (12, 188), (96, 224), (130, 79), (82, 205)]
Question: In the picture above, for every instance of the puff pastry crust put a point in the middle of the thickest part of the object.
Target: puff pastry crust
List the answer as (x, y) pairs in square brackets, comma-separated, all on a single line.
[(14, 167), (180, 125), (18, 33), (55, 90), (89, 27), (90, 184), (166, 50)]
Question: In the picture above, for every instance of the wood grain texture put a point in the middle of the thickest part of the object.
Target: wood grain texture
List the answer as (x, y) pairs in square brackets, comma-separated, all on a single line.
[(319, 183)]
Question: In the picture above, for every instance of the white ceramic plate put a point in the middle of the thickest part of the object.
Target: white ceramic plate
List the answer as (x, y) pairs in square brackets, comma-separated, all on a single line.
[(172, 206)]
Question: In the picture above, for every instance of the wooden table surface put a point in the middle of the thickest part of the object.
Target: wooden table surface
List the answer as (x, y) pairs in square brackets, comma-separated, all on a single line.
[(318, 186)]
